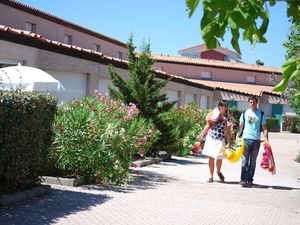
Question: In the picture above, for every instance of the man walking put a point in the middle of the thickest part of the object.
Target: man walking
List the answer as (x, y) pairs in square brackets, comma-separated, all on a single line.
[(252, 122)]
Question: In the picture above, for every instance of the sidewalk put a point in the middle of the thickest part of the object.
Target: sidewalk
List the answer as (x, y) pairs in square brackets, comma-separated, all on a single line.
[(175, 192)]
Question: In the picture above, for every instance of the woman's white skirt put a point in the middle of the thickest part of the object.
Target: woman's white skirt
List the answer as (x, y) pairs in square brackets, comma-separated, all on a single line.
[(213, 147)]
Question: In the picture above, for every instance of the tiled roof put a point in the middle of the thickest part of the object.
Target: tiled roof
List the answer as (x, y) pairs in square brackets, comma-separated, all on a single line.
[(249, 89), (97, 56), (58, 20), (7, 32), (202, 48), (215, 63), (208, 85)]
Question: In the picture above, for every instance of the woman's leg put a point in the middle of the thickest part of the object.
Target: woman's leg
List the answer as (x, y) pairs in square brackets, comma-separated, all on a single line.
[(211, 165), (219, 165)]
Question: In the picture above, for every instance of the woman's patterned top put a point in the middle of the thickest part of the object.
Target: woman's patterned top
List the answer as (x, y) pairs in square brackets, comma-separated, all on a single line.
[(217, 130)]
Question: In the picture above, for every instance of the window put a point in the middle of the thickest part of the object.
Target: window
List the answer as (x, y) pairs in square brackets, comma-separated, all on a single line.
[(31, 27), (97, 47), (206, 75), (251, 79), (204, 102), (173, 96), (189, 98), (120, 55), (68, 39)]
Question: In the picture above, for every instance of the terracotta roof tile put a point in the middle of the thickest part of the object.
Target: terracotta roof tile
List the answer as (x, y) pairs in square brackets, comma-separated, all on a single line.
[(202, 48), (215, 63), (210, 85), (249, 89)]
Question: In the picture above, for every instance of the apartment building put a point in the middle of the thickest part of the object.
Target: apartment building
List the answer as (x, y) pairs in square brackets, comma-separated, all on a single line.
[(78, 57)]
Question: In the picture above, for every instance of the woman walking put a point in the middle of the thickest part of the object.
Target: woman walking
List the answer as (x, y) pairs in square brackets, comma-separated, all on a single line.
[(216, 130)]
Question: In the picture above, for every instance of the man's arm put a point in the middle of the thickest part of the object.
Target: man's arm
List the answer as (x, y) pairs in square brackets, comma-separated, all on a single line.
[(239, 131)]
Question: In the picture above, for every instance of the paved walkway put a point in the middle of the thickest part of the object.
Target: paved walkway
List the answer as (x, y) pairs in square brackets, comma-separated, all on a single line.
[(175, 192)]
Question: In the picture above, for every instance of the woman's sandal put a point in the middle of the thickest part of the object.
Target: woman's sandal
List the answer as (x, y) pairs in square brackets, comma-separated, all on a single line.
[(221, 176), (210, 180)]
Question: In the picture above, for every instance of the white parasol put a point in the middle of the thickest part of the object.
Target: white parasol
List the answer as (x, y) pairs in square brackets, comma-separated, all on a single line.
[(27, 78)]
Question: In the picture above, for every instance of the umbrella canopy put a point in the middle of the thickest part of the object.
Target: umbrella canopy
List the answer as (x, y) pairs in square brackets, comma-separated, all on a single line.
[(27, 78)]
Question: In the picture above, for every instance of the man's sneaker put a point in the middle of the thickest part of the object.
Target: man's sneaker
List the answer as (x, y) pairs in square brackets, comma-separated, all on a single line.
[(249, 183), (243, 183)]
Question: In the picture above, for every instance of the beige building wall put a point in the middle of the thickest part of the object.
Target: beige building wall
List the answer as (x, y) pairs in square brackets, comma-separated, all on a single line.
[(18, 53), (54, 31), (218, 74)]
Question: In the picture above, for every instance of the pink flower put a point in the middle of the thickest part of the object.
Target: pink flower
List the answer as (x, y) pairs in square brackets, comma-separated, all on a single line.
[(142, 141), (150, 133)]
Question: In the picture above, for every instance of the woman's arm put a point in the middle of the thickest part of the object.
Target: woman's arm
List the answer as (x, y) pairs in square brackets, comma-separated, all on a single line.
[(228, 134), (204, 131)]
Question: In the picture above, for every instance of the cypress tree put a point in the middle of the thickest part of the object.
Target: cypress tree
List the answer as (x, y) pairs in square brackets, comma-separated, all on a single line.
[(141, 88)]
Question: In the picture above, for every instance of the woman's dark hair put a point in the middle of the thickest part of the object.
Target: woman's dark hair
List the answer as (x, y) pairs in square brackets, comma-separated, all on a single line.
[(223, 103)]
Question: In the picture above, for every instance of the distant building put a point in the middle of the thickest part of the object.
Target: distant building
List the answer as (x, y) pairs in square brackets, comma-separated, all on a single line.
[(220, 53)]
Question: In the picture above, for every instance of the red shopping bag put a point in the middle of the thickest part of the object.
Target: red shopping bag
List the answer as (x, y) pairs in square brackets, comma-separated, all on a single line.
[(267, 160)]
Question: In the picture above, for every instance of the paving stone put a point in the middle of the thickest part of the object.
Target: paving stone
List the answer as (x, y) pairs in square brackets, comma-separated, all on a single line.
[(175, 192)]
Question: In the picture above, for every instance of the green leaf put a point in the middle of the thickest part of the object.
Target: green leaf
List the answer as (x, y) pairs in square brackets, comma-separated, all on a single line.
[(288, 70), (243, 20), (235, 40), (293, 9), (295, 74), (191, 6), (281, 86), (264, 26), (272, 2)]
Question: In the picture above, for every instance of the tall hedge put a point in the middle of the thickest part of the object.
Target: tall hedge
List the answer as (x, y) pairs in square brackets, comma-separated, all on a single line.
[(25, 136)]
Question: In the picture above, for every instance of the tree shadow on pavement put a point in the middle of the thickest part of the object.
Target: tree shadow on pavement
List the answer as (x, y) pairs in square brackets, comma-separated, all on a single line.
[(141, 180), (48, 209)]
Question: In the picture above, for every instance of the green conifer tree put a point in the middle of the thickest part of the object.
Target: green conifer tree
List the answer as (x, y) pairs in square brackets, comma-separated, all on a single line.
[(141, 88)]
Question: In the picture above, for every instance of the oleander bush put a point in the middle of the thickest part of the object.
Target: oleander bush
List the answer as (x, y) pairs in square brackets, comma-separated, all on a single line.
[(234, 115), (183, 126), (25, 137), (96, 137)]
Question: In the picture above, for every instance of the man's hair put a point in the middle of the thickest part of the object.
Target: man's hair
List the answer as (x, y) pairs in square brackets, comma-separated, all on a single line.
[(252, 97)]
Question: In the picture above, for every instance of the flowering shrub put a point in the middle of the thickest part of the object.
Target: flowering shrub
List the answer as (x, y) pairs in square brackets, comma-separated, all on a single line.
[(96, 137), (185, 125), (196, 117), (234, 116)]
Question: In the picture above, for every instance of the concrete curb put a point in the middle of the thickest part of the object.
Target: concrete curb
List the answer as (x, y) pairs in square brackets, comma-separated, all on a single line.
[(24, 195), (151, 160), (72, 182)]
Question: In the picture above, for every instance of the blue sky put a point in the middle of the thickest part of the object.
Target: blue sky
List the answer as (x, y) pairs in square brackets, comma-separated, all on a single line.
[(165, 23)]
